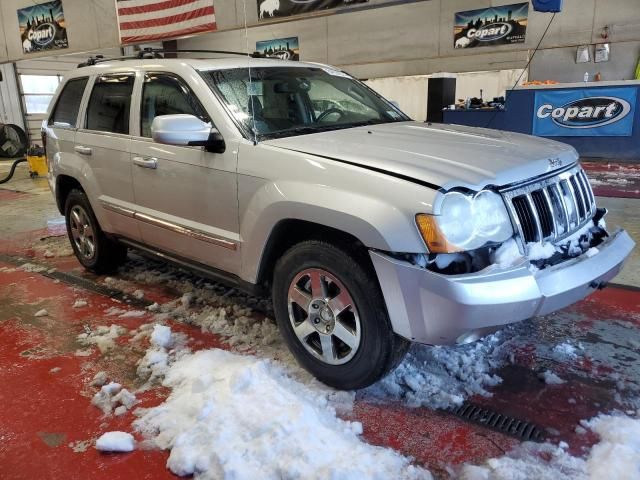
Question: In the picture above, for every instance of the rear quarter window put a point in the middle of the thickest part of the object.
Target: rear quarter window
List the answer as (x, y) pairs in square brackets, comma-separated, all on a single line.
[(65, 112)]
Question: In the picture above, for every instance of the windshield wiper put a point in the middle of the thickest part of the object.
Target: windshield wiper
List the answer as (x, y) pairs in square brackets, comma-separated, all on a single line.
[(304, 130)]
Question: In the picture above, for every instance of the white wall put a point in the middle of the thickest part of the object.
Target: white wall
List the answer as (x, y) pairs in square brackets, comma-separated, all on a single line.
[(416, 38), (412, 38)]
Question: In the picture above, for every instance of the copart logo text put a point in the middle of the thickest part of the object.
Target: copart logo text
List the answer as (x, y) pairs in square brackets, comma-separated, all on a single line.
[(43, 34), (586, 112), (491, 32)]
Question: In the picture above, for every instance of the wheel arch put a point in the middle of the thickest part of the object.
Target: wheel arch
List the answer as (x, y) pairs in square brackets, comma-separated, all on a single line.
[(292, 231), (64, 185)]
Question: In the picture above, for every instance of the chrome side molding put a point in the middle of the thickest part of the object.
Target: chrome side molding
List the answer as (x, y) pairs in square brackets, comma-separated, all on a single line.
[(173, 227)]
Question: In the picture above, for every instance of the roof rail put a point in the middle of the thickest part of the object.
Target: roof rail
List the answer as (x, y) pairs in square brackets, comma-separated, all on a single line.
[(157, 53)]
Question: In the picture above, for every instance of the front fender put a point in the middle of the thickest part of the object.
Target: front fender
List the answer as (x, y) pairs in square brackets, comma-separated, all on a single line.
[(374, 221)]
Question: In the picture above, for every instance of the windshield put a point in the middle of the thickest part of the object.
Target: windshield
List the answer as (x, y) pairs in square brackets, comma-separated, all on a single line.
[(285, 101)]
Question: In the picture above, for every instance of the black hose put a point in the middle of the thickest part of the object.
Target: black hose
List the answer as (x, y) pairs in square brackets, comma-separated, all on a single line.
[(13, 169)]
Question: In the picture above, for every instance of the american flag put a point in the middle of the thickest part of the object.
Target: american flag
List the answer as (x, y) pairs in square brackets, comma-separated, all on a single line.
[(149, 20)]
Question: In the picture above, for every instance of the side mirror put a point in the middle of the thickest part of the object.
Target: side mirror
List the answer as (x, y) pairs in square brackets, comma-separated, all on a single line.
[(186, 130)]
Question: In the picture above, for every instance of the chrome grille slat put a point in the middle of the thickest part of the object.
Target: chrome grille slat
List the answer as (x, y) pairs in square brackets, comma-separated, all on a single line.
[(536, 217), (584, 186), (551, 208), (554, 215), (567, 220), (582, 205), (574, 200)]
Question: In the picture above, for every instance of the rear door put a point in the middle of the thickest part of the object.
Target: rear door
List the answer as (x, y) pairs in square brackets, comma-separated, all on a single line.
[(186, 197), (105, 143)]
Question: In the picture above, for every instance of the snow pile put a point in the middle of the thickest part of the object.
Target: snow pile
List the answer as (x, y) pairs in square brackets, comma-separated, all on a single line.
[(112, 396), (103, 337), (161, 336), (507, 255), (540, 251), (115, 442), (41, 313), (442, 377), (566, 351), (155, 363), (551, 378), (617, 455), (234, 416), (79, 303)]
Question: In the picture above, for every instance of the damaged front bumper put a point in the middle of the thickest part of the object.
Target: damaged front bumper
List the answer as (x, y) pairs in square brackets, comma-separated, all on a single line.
[(433, 308)]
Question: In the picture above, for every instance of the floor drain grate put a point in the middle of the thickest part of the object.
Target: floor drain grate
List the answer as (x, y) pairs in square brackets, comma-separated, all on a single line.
[(499, 422)]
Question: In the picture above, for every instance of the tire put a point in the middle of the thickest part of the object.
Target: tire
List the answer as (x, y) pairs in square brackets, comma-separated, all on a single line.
[(96, 252), (371, 349)]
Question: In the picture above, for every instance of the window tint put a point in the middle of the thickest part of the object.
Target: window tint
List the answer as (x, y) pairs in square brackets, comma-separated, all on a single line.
[(109, 104), (166, 95), (65, 112)]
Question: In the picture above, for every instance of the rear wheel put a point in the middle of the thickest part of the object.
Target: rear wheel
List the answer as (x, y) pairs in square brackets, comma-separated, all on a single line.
[(330, 311), (93, 249)]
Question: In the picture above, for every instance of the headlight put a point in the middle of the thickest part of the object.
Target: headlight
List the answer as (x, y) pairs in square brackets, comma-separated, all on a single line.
[(467, 222)]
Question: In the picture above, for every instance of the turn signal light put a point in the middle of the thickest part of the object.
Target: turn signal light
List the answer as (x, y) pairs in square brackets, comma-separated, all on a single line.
[(433, 236)]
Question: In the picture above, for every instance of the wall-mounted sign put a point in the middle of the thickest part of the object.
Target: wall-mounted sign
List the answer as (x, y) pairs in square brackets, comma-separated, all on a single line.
[(503, 25), (286, 8), (594, 112), (42, 27), (151, 20), (282, 48)]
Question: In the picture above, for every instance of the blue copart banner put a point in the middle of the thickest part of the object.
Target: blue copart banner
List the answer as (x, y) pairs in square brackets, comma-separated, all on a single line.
[(588, 112)]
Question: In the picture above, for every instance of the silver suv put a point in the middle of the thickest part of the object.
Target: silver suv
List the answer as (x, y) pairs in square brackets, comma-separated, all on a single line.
[(370, 231)]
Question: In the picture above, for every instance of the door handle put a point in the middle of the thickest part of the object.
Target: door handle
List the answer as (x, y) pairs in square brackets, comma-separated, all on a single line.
[(146, 162), (83, 150)]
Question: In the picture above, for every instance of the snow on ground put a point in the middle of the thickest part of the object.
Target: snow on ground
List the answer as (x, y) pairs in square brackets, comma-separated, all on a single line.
[(437, 377), (115, 442), (222, 402), (112, 396), (79, 303), (103, 337), (615, 456), (551, 378), (443, 377)]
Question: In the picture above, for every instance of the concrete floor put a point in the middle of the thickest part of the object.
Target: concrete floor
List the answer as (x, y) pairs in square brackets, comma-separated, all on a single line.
[(47, 424)]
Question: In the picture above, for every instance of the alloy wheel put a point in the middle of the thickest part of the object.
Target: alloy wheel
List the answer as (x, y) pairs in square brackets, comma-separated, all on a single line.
[(324, 316)]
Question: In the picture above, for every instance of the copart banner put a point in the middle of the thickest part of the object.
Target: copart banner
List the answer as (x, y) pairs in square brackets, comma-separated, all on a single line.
[(42, 27), (503, 25), (589, 112)]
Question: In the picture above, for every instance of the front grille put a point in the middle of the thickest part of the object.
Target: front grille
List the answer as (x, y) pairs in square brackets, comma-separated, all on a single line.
[(551, 208)]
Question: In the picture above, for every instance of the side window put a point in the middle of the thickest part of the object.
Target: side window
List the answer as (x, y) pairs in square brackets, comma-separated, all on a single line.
[(109, 104), (165, 94), (65, 113)]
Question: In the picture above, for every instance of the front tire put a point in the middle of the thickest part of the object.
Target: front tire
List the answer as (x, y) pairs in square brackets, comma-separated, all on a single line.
[(330, 311), (93, 249)]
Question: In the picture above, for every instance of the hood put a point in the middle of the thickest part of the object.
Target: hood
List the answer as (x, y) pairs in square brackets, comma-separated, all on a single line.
[(442, 155)]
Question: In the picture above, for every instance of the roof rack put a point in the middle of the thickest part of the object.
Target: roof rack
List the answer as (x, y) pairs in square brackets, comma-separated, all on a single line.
[(157, 53)]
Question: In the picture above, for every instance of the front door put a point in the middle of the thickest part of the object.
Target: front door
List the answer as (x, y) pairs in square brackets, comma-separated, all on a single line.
[(186, 197)]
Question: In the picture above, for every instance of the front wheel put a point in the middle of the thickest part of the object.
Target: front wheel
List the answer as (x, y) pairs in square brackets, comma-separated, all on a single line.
[(330, 311)]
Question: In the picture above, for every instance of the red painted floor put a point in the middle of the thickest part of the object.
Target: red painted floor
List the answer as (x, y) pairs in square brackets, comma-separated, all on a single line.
[(611, 179)]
